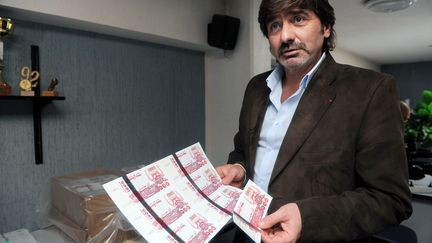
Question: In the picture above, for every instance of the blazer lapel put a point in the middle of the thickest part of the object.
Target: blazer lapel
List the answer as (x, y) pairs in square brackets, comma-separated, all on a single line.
[(315, 101)]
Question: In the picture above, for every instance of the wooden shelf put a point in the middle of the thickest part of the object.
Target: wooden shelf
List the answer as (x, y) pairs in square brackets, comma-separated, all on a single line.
[(38, 103), (34, 98)]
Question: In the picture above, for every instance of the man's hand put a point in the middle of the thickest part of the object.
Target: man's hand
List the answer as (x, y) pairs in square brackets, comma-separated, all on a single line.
[(231, 174), (284, 225)]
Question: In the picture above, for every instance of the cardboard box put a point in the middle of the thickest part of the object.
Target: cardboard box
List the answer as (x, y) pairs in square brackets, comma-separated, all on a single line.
[(83, 210)]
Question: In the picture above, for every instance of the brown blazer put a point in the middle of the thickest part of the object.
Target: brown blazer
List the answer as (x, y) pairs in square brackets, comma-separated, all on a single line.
[(342, 159)]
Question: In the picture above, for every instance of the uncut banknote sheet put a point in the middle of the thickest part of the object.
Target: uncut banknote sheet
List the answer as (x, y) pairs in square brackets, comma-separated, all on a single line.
[(179, 198)]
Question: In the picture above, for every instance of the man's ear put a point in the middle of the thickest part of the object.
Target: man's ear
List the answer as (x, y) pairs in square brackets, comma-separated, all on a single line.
[(327, 31)]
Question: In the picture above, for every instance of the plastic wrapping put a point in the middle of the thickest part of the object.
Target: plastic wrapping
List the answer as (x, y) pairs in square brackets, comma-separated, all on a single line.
[(82, 209)]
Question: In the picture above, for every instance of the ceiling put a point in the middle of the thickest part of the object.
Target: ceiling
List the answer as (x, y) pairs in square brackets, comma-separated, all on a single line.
[(385, 38)]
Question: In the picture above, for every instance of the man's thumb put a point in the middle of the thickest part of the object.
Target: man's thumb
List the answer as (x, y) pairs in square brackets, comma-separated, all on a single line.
[(266, 222), (272, 219), (228, 178)]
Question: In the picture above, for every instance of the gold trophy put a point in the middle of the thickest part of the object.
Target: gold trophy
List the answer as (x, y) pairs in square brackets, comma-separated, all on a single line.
[(5, 27), (28, 81)]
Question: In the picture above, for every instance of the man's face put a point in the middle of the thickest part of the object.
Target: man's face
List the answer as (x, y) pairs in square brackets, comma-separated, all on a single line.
[(296, 39)]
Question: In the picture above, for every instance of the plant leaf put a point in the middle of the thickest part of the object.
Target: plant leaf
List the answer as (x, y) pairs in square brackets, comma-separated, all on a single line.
[(427, 96)]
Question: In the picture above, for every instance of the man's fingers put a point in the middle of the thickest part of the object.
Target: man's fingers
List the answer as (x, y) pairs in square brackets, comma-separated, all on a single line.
[(268, 236), (220, 171), (265, 236), (284, 225), (273, 219), (229, 177), (226, 173), (277, 237), (230, 173)]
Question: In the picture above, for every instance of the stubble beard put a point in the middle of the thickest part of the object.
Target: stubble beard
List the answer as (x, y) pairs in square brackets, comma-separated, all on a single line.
[(300, 60), (295, 62)]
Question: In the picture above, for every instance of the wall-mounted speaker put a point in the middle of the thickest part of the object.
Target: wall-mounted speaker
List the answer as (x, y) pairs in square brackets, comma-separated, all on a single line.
[(223, 31)]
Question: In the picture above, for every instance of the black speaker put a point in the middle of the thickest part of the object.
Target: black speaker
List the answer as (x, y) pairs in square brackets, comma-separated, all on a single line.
[(223, 31)]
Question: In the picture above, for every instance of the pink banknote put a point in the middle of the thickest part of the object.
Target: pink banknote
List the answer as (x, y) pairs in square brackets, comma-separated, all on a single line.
[(251, 207)]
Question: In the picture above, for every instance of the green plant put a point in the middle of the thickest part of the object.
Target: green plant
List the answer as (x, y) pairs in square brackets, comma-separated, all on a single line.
[(419, 125)]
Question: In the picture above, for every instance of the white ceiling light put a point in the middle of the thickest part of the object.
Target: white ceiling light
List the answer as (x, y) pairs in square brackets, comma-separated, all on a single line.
[(387, 6)]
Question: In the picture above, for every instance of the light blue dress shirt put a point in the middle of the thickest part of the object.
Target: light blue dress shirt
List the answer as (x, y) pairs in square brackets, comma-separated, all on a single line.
[(276, 122)]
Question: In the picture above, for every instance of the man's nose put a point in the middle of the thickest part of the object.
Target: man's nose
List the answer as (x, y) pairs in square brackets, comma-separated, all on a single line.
[(287, 33)]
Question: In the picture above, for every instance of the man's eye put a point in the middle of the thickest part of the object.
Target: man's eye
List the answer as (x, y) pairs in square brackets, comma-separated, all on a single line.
[(274, 27), (298, 19)]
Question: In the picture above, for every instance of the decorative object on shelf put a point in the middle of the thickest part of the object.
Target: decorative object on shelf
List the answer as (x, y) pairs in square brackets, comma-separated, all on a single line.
[(51, 87), (28, 81), (418, 129), (5, 28)]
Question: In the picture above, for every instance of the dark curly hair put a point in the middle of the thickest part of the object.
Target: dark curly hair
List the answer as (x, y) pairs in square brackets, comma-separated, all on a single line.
[(325, 12)]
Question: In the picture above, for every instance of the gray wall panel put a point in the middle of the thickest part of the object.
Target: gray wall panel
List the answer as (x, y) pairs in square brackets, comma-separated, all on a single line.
[(412, 79), (127, 103)]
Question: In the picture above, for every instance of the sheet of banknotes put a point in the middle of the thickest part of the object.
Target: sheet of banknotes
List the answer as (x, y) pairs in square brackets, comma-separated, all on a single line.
[(181, 198)]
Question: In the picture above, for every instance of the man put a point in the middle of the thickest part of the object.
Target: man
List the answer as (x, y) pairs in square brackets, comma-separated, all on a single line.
[(324, 139)]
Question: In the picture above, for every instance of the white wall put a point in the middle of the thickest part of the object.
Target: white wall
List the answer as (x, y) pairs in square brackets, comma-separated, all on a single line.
[(226, 77), (261, 57), (342, 56), (177, 22)]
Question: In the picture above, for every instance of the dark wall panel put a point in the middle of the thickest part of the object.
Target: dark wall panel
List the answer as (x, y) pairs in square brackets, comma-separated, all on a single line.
[(127, 103), (412, 79)]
